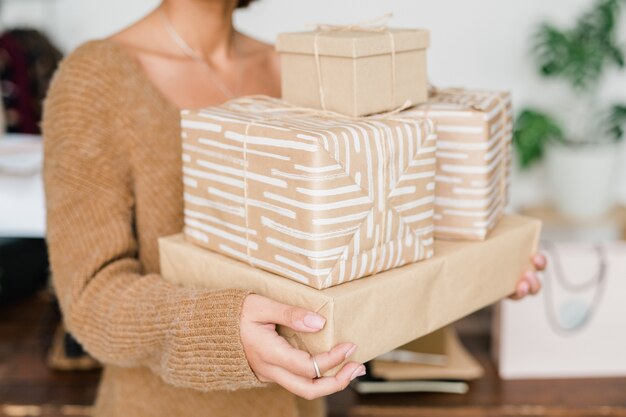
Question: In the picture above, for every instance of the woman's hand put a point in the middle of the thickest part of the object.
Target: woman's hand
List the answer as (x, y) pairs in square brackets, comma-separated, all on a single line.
[(529, 282), (272, 359)]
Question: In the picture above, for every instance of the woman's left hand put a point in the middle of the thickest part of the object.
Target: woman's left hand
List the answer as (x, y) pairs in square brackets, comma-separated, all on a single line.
[(529, 281)]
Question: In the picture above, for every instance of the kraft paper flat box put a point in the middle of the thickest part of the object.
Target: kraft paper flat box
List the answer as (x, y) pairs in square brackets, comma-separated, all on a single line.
[(382, 312), (475, 130), (426, 350), (354, 72), (433, 343), (459, 365), (318, 198)]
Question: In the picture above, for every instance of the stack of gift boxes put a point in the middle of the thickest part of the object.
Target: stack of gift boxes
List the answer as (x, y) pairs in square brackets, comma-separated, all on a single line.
[(361, 168)]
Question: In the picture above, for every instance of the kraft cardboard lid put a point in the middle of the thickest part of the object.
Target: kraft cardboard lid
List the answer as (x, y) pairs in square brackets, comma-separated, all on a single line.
[(353, 44)]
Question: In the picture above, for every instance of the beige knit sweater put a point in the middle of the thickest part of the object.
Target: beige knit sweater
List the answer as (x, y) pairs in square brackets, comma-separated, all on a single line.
[(113, 186)]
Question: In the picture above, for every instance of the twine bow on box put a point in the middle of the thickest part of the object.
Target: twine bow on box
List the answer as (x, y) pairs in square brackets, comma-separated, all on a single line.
[(375, 25), (378, 24)]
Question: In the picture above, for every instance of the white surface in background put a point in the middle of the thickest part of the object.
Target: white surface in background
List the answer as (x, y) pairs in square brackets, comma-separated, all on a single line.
[(475, 43), (20, 155), (22, 202), (531, 348)]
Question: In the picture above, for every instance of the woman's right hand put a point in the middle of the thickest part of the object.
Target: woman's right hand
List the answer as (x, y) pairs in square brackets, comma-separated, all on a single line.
[(272, 359)]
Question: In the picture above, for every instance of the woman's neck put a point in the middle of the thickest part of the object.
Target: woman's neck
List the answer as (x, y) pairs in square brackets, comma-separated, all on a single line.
[(205, 25)]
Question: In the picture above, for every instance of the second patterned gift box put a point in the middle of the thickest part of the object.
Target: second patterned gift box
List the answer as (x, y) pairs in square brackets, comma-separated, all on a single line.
[(474, 130), (314, 196)]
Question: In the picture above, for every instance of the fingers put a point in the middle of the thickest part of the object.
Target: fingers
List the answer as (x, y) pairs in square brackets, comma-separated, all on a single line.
[(335, 357), (521, 291), (539, 261), (298, 319), (272, 358), (533, 282), (301, 363), (310, 389), (528, 284)]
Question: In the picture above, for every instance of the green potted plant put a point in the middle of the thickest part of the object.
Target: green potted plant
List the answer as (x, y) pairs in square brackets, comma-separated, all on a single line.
[(581, 155)]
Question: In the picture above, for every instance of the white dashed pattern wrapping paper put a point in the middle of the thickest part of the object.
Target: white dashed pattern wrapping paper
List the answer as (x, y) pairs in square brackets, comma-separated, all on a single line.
[(474, 130), (317, 197)]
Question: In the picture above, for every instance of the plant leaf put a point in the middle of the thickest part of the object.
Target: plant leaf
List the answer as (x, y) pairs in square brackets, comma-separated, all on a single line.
[(533, 130), (616, 121), (581, 54)]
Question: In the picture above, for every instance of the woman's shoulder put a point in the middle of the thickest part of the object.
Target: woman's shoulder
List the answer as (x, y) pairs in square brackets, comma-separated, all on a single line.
[(87, 85), (98, 55), (262, 53), (255, 47), (99, 69)]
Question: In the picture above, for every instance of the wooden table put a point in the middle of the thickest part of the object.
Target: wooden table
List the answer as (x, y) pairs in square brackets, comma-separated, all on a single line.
[(29, 388), (491, 396)]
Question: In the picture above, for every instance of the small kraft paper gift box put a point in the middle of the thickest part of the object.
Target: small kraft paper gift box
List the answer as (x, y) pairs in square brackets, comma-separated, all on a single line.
[(475, 130), (355, 70), (382, 312), (316, 197)]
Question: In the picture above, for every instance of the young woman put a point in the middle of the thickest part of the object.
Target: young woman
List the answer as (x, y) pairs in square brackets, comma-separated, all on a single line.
[(113, 184)]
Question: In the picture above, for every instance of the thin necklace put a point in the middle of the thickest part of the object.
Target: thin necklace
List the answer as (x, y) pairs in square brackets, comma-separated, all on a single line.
[(191, 53)]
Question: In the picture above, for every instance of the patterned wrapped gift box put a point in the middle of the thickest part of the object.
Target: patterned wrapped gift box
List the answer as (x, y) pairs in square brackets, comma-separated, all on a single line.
[(316, 197), (474, 130)]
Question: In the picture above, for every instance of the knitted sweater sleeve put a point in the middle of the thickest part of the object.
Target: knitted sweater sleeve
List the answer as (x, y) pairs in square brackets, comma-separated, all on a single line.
[(190, 337)]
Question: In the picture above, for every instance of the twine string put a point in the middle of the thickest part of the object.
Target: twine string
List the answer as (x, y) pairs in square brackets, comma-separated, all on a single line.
[(318, 68), (393, 69), (245, 191), (378, 24), (504, 145), (285, 110), (383, 225)]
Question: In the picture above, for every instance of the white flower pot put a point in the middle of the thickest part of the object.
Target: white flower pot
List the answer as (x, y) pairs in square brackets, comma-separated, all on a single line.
[(583, 179)]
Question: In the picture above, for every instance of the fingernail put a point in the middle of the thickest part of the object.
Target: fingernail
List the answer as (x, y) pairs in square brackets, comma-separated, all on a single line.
[(314, 321), (360, 371), (539, 261), (351, 351)]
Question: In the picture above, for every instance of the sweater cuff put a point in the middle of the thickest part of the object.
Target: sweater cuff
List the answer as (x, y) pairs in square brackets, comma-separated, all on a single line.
[(205, 350)]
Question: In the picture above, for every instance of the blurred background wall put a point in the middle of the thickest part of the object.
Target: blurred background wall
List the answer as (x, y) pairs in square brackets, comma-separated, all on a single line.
[(475, 43)]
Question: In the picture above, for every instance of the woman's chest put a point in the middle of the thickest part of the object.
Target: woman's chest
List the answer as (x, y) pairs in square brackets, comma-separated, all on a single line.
[(156, 150), (192, 84)]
